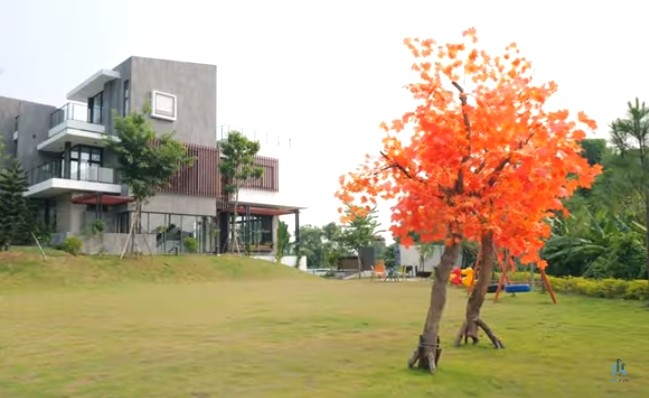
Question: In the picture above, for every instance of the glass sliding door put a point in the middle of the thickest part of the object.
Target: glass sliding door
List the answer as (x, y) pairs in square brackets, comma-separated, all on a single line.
[(96, 108)]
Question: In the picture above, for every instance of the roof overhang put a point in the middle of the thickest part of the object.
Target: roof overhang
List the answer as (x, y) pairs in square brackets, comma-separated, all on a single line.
[(57, 186), (260, 210), (106, 200), (93, 85)]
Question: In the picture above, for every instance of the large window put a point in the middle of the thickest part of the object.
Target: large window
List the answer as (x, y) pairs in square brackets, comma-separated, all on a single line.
[(96, 108), (85, 162), (172, 230), (126, 106), (255, 231)]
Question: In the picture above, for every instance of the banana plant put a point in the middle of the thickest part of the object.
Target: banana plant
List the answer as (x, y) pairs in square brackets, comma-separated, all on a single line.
[(580, 239)]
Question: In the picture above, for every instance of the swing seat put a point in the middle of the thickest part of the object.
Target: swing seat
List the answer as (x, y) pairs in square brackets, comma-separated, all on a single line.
[(493, 287), (519, 288)]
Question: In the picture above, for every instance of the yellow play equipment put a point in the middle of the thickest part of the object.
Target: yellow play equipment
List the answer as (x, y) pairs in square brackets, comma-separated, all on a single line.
[(467, 277)]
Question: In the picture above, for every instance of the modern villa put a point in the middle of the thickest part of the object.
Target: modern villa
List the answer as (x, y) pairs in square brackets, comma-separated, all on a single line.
[(74, 179)]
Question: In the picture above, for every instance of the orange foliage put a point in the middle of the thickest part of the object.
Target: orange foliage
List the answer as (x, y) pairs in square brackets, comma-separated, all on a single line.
[(506, 168)]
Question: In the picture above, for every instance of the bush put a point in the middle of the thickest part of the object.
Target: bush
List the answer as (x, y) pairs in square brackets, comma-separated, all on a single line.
[(191, 244), (97, 227), (71, 245), (43, 233), (625, 259), (604, 288), (637, 290), (518, 276)]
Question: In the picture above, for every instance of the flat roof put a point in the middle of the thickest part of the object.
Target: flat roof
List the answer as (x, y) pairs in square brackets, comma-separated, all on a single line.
[(93, 85)]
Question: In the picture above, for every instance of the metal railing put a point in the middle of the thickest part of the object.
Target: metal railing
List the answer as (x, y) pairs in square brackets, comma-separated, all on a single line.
[(69, 111), (56, 169), (264, 139)]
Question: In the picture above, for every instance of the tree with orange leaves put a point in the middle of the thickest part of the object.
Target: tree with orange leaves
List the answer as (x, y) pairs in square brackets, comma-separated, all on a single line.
[(484, 161)]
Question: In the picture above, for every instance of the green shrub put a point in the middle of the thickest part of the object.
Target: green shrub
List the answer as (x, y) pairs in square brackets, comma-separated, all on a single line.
[(71, 245), (613, 288), (191, 244), (98, 226), (518, 276), (637, 290), (43, 233), (625, 259), (604, 288), (588, 287)]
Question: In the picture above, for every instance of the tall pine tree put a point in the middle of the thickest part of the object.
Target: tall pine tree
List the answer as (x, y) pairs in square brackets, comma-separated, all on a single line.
[(15, 215)]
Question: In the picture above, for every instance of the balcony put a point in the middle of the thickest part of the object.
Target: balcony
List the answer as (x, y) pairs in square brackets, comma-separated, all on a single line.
[(49, 180), (72, 123)]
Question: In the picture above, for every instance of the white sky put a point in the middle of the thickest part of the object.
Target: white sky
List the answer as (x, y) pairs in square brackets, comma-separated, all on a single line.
[(324, 73)]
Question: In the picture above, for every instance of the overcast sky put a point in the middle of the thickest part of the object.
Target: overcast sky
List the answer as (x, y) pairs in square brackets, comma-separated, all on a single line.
[(324, 73)]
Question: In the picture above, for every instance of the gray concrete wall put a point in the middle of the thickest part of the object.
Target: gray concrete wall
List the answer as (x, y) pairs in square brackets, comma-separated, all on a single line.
[(194, 86), (179, 204), (114, 95), (69, 216), (109, 243), (9, 109), (33, 129)]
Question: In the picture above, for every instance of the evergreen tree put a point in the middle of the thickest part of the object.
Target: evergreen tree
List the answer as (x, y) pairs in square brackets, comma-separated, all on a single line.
[(15, 215)]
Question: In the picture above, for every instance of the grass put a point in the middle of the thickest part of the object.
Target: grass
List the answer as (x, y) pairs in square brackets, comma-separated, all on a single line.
[(228, 327)]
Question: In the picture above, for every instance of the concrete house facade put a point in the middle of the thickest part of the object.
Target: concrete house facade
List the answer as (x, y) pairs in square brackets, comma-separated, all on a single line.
[(74, 178)]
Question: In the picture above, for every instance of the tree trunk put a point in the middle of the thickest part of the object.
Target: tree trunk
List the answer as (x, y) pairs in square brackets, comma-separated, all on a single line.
[(470, 326), (360, 265), (646, 204), (130, 234), (136, 221), (235, 242), (429, 348)]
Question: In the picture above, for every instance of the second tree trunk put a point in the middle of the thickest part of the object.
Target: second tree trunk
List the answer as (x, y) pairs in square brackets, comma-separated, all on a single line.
[(472, 321)]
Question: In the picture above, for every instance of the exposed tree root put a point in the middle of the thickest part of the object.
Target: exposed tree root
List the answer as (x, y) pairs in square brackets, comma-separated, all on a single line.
[(426, 355), (470, 330)]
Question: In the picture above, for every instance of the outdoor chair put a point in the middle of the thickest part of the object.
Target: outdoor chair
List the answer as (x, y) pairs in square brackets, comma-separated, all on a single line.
[(378, 271)]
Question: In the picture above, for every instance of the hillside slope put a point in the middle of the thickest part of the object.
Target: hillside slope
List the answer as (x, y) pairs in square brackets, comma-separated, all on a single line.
[(21, 267)]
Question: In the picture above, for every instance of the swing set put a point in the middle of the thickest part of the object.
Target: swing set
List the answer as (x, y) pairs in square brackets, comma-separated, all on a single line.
[(506, 263)]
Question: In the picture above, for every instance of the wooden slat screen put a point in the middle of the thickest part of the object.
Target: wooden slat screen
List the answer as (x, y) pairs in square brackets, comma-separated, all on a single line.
[(202, 177)]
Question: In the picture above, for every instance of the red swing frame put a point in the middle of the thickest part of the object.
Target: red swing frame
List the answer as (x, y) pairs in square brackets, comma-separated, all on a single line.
[(508, 263)]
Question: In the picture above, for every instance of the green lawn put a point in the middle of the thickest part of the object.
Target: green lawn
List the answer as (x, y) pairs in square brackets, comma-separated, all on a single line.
[(206, 327)]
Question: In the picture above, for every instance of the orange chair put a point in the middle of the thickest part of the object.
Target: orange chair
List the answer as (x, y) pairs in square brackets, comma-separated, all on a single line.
[(378, 271)]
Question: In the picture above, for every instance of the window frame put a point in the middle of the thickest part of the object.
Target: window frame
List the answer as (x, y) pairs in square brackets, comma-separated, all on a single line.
[(126, 97), (155, 112)]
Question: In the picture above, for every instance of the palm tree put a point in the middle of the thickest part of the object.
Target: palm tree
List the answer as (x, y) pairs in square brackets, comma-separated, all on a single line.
[(628, 134)]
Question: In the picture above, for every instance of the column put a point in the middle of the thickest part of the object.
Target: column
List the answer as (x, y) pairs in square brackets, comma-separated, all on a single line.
[(99, 207), (274, 227), (297, 231), (67, 153), (247, 230), (46, 214)]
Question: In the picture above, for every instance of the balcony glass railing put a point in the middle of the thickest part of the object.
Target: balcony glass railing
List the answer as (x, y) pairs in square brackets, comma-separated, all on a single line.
[(69, 111), (56, 169)]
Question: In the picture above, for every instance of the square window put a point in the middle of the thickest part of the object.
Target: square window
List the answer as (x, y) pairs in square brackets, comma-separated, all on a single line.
[(164, 105)]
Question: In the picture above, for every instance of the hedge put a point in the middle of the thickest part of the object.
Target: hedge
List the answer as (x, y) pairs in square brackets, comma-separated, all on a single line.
[(604, 288)]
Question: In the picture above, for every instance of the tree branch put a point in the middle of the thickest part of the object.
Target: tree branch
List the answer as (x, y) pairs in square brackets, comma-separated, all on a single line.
[(494, 175), (459, 182), (395, 165), (465, 117)]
